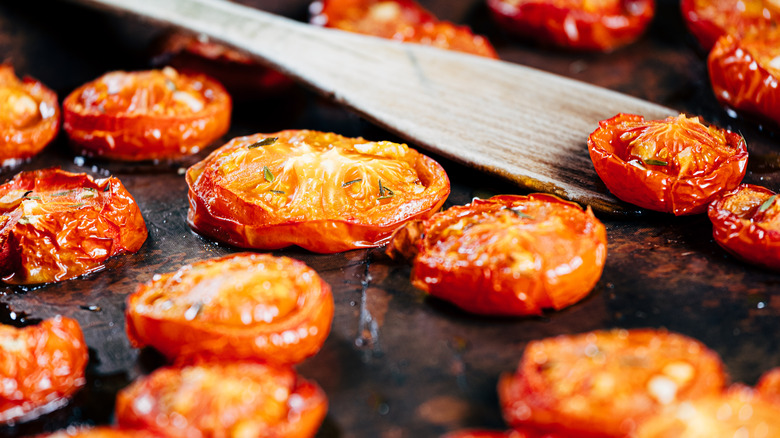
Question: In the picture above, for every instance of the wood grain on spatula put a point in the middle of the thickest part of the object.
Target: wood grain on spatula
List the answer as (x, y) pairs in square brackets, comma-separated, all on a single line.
[(522, 124)]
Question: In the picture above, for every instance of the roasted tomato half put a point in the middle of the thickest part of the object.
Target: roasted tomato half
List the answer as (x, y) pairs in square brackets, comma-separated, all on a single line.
[(768, 385), (745, 73), (738, 412), (56, 225), (146, 115), (746, 223), (101, 432), (518, 433), (709, 20), (575, 24), (320, 191), (507, 255), (29, 116), (604, 383), (230, 399), (677, 165), (243, 306), (41, 366), (401, 20)]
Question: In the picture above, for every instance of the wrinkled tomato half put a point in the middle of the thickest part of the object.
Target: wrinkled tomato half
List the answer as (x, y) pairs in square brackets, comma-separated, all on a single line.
[(242, 306), (320, 191), (41, 366), (146, 115), (101, 432), (230, 399), (244, 78), (507, 255), (677, 165), (401, 20), (746, 223), (745, 73), (709, 20), (29, 116), (601, 25), (56, 225), (604, 383), (738, 412)]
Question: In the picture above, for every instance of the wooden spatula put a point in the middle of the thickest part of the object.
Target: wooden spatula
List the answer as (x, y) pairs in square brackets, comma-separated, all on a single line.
[(516, 122)]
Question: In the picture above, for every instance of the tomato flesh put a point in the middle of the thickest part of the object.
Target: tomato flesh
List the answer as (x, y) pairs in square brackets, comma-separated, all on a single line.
[(709, 20)]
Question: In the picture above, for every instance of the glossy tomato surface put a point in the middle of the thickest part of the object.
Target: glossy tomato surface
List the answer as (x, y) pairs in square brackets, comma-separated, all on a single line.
[(739, 412), (709, 20), (745, 73), (601, 25), (509, 255), (41, 366), (320, 191), (242, 306), (677, 165), (746, 223), (402, 20), (604, 383), (145, 115), (230, 399), (101, 432), (524, 433), (56, 225), (29, 116)]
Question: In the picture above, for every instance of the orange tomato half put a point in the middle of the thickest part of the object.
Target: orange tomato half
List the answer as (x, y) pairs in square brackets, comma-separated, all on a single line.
[(709, 20), (242, 306)]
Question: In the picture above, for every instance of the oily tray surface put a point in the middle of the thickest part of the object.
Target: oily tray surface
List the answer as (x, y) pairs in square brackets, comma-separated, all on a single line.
[(398, 364)]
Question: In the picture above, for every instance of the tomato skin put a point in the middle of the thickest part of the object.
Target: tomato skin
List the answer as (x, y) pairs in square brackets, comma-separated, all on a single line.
[(517, 433), (702, 161), (29, 116), (210, 400), (401, 20), (53, 351), (101, 432), (709, 20), (315, 206), (294, 325), (57, 225), (486, 259), (747, 228), (572, 24), (146, 115), (744, 74), (604, 383)]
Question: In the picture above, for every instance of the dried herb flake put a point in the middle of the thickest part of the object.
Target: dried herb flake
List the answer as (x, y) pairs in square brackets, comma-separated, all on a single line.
[(768, 203), (264, 142), (267, 174), (349, 183), (654, 162)]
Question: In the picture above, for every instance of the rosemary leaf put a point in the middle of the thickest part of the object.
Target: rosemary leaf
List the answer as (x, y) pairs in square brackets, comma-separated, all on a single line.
[(267, 174), (653, 162), (768, 203), (520, 213), (278, 192), (349, 183), (264, 142)]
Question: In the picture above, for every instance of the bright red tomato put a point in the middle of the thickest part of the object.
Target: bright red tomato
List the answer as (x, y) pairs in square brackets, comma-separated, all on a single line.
[(242, 306), (605, 383), (709, 20), (41, 366), (677, 165), (57, 225), (507, 255), (402, 20), (231, 399), (745, 73), (746, 223), (320, 191), (146, 115), (29, 116), (575, 24)]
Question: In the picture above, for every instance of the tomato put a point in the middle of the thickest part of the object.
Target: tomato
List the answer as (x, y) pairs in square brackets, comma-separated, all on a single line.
[(401, 20), (769, 385), (41, 366), (29, 116), (677, 165), (232, 399), (242, 306), (524, 433), (146, 115), (601, 25), (745, 72), (101, 432), (509, 255), (604, 383), (709, 20), (746, 223), (243, 77), (57, 225), (320, 191), (739, 412)]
